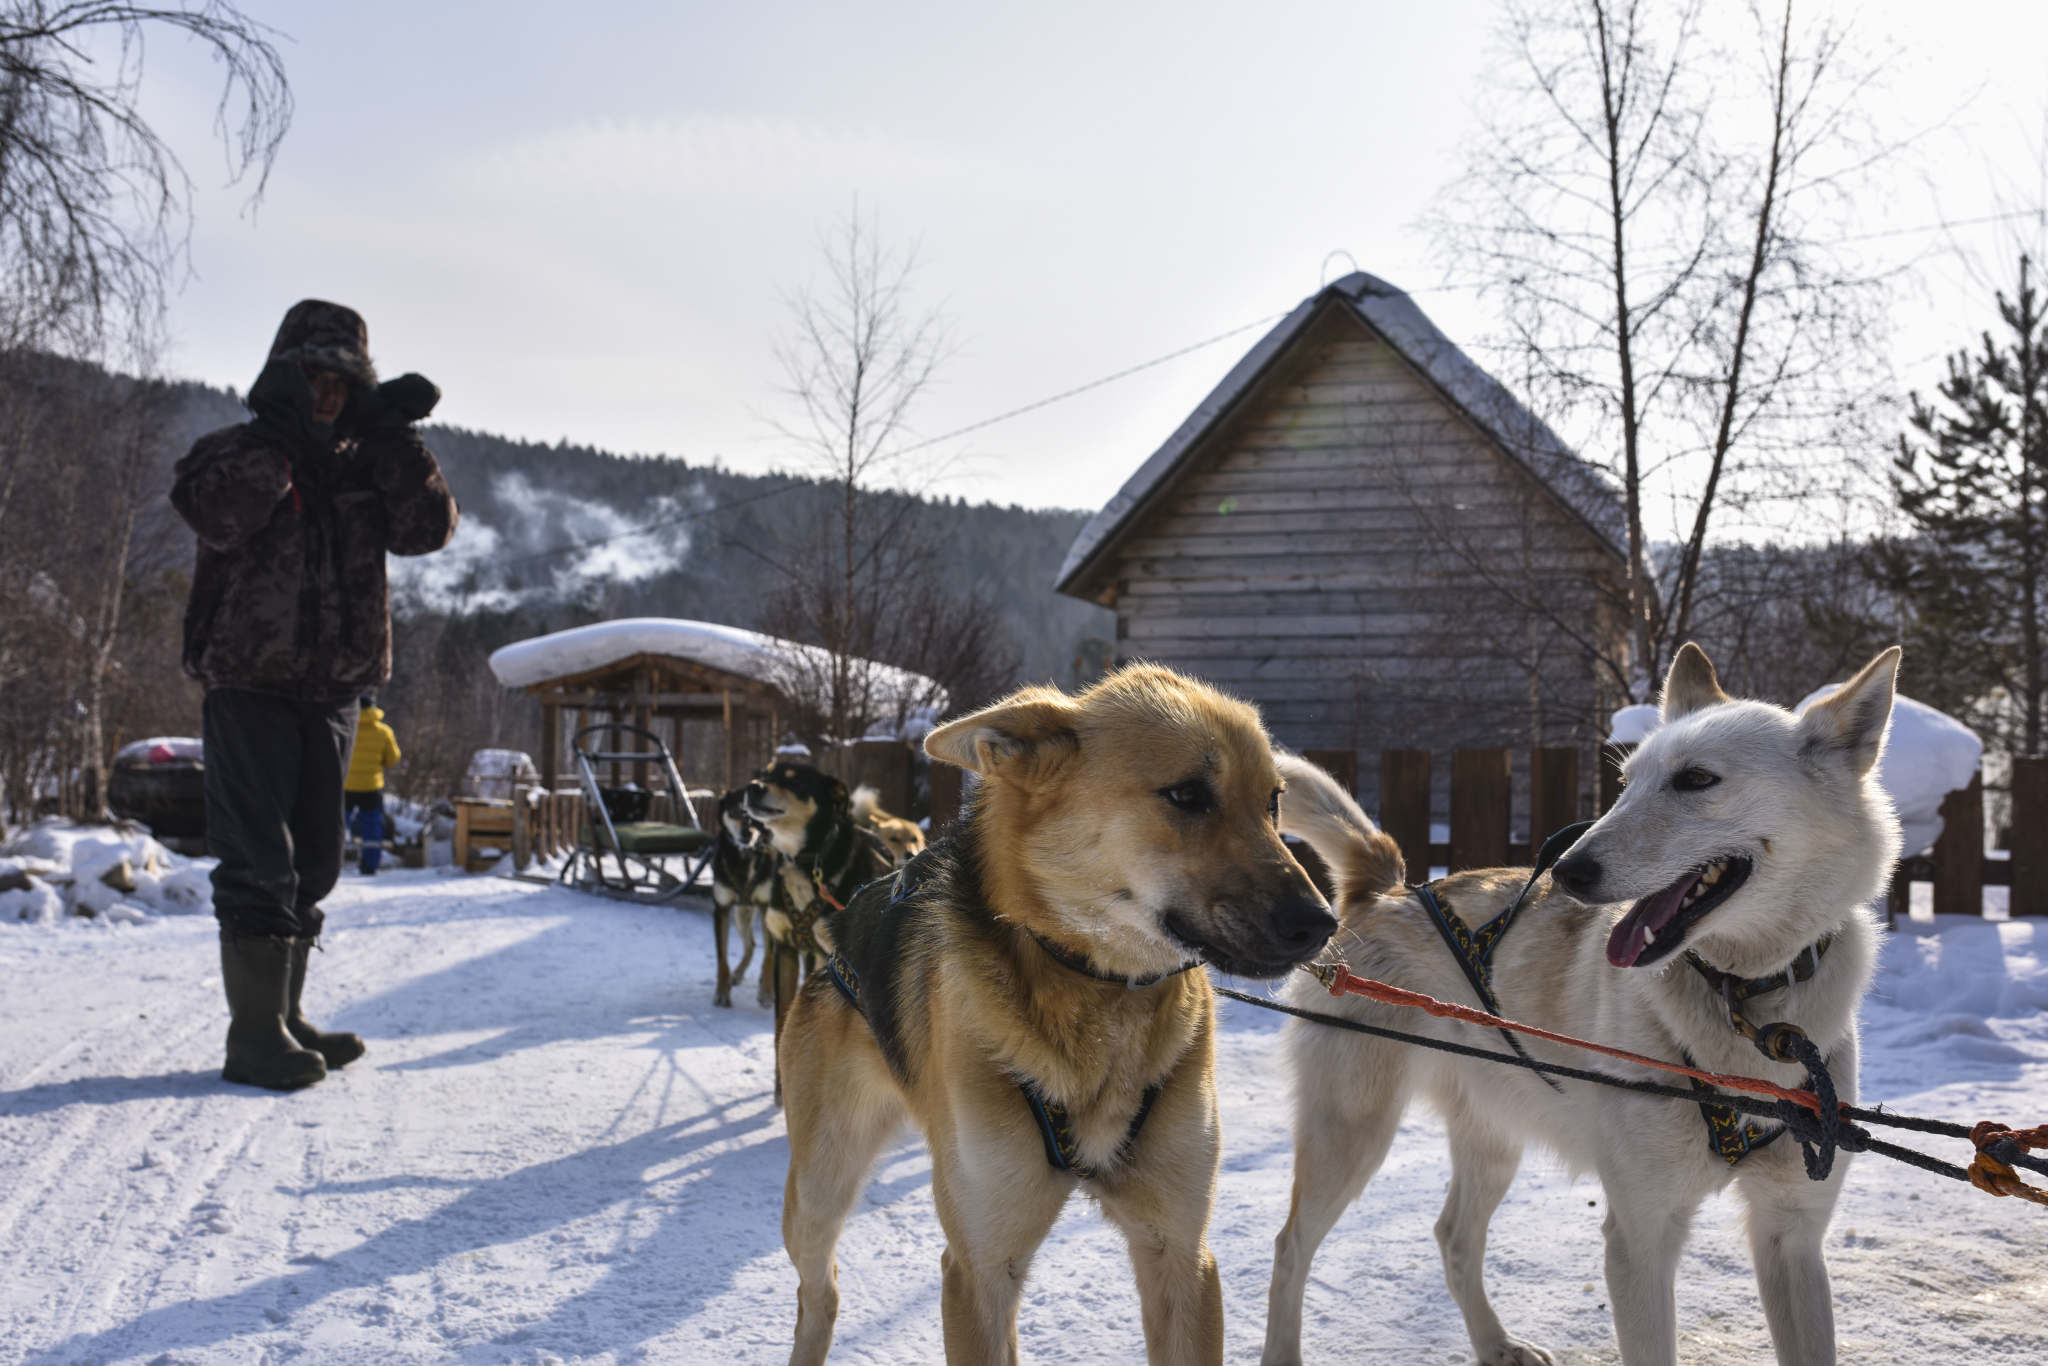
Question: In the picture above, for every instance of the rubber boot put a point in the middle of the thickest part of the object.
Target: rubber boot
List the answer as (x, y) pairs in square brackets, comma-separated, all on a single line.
[(339, 1050), (257, 972)]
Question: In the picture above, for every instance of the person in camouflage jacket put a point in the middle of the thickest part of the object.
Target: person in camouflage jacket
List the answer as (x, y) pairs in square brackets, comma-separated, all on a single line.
[(289, 621)]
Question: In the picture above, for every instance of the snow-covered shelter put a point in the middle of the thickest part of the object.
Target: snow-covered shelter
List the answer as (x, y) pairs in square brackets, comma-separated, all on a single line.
[(1366, 534), (718, 695)]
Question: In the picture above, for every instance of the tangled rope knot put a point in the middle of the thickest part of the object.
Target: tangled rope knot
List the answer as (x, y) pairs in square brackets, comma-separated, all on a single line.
[(1999, 1150), (1820, 1131)]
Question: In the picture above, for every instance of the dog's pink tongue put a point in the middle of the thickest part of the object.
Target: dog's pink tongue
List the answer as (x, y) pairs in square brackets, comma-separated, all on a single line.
[(1625, 945)]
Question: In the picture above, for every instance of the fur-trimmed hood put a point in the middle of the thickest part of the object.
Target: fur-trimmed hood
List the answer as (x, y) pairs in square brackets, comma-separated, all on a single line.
[(326, 336)]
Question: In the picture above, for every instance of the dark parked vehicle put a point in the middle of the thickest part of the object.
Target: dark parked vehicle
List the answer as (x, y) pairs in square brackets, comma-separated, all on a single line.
[(162, 784)]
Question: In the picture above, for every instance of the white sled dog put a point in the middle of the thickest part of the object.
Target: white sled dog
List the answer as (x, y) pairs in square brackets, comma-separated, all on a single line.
[(1746, 845)]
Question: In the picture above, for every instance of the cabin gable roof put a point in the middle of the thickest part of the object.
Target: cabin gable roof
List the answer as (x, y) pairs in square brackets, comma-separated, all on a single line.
[(1517, 434)]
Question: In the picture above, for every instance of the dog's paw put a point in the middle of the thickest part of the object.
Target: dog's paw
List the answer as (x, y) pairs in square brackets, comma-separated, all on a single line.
[(1515, 1352)]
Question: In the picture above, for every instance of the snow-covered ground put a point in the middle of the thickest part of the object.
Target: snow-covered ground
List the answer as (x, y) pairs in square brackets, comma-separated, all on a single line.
[(558, 1150)]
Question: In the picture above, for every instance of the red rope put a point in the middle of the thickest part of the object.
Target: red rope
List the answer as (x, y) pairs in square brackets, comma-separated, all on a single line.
[(1342, 982)]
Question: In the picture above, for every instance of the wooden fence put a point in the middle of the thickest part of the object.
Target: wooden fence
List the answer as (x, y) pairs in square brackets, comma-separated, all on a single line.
[(1481, 827), (1481, 834)]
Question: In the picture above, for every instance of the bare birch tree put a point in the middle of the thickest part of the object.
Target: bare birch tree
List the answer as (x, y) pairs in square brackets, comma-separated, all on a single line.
[(95, 213), (861, 569), (1649, 208)]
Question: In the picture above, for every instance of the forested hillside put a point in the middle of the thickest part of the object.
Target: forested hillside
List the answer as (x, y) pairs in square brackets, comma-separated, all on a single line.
[(551, 536)]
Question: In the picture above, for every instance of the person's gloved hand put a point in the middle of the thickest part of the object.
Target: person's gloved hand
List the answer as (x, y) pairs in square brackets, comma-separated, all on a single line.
[(398, 403), (282, 400)]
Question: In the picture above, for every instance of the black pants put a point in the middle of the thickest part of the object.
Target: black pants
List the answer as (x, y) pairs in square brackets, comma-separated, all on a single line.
[(274, 769)]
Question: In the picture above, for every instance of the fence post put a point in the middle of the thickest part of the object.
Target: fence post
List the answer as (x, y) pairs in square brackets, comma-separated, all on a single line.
[(1611, 758), (1553, 794), (1341, 764), (1480, 793), (2029, 842), (1959, 853), (522, 828), (1404, 807)]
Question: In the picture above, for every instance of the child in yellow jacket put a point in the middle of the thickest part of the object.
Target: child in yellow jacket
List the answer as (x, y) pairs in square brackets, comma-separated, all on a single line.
[(376, 749)]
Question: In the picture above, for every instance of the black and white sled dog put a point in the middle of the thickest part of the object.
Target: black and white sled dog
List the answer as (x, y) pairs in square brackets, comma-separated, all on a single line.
[(742, 877), (1745, 849)]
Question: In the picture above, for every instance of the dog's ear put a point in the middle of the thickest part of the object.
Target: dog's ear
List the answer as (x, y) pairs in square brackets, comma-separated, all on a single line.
[(1691, 684), (1023, 730), (1852, 720)]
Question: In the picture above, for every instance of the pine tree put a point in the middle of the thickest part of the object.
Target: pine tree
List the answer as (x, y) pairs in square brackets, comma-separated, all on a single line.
[(1974, 485)]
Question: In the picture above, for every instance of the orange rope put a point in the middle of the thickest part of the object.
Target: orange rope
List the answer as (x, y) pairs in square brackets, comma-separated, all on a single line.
[(1987, 1173), (1342, 982)]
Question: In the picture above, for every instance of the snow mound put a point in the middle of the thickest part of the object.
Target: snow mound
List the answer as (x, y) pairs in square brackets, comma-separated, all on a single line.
[(495, 772), (1927, 755), (729, 649), (34, 902), (55, 869), (1632, 725)]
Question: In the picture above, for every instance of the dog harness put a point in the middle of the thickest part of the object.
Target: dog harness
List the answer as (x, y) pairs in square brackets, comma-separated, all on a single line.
[(1474, 948), (842, 852), (877, 919), (1733, 1136)]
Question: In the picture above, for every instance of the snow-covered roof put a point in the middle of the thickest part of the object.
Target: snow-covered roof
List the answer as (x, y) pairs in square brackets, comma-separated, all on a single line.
[(1519, 434), (748, 654)]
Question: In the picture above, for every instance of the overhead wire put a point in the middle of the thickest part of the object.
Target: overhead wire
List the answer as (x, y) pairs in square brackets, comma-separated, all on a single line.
[(703, 514)]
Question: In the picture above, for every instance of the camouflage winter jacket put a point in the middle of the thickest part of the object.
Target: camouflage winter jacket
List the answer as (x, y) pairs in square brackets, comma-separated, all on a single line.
[(289, 595), (295, 518)]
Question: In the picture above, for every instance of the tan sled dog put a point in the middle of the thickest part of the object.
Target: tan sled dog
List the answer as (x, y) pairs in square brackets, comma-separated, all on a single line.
[(903, 837), (1743, 853), (1021, 992)]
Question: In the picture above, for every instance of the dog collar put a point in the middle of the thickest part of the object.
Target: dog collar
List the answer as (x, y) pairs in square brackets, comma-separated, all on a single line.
[(1077, 961), (1735, 991)]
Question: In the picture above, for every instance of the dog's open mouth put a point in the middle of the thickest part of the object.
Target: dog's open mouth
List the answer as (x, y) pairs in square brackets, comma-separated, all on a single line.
[(1656, 926)]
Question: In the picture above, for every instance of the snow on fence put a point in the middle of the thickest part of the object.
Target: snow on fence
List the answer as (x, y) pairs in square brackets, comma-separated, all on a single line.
[(1481, 833)]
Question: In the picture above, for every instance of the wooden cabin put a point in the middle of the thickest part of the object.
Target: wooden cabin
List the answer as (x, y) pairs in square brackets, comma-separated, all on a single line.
[(1365, 534), (717, 696), (708, 691)]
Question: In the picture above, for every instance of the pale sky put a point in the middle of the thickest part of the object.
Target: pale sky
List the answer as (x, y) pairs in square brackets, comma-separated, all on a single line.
[(579, 219)]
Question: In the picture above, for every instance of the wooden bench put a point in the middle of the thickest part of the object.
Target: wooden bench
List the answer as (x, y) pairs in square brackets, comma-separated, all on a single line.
[(481, 822)]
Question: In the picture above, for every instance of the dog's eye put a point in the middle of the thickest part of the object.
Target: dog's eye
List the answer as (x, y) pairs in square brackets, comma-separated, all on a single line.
[(1192, 796), (1694, 780), (1273, 807)]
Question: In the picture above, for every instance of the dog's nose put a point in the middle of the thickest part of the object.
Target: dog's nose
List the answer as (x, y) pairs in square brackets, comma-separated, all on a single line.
[(1302, 925), (1578, 874)]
